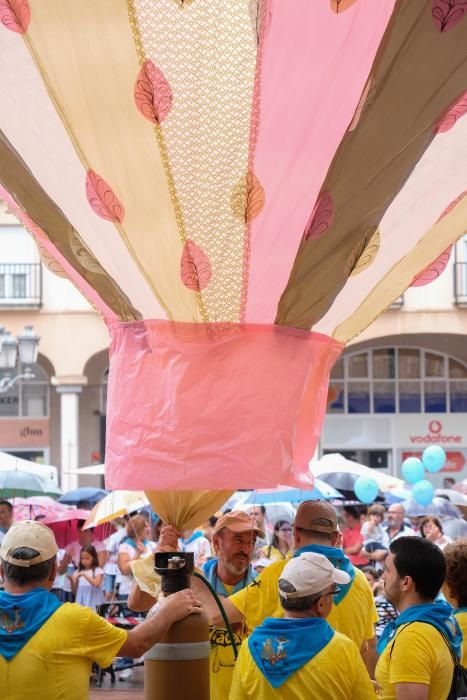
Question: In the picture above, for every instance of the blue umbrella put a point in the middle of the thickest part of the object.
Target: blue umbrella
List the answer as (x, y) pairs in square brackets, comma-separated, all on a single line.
[(287, 494), (86, 494)]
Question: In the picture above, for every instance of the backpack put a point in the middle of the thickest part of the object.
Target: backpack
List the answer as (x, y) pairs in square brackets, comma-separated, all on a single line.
[(459, 675)]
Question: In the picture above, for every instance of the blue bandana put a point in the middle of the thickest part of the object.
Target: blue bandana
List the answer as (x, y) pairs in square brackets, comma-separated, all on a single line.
[(280, 647), (338, 560), (439, 614), (21, 616), (131, 541), (209, 570), (195, 535), (460, 610)]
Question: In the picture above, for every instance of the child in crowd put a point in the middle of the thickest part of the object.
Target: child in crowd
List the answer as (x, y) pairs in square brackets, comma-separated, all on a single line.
[(374, 536), (194, 541), (385, 609), (86, 583)]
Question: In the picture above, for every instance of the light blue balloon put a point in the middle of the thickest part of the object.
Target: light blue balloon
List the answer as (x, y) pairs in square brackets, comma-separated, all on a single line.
[(434, 458), (412, 470), (366, 489), (422, 492)]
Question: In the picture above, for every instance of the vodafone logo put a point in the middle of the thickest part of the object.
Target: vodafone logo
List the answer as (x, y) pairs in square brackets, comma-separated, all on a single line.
[(435, 436)]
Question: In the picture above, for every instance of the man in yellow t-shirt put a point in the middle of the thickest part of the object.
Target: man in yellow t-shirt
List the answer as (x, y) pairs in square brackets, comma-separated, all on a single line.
[(415, 661), (455, 585), (46, 647), (315, 529), (301, 656)]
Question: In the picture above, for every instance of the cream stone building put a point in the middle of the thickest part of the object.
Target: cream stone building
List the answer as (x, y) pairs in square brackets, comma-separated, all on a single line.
[(400, 386)]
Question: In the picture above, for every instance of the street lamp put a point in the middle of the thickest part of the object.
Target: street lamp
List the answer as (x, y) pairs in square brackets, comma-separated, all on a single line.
[(26, 346)]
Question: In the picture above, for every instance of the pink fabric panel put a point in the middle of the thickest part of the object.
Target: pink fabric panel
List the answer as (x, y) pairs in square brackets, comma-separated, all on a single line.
[(315, 66), (91, 295), (214, 406)]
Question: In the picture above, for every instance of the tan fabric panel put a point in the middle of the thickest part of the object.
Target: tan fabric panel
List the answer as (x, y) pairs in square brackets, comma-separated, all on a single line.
[(18, 180), (86, 55), (441, 235), (417, 74), (186, 509)]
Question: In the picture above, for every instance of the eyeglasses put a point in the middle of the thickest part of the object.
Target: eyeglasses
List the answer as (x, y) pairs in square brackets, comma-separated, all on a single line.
[(285, 529)]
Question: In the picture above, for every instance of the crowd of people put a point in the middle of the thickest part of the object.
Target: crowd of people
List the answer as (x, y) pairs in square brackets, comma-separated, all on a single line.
[(347, 603)]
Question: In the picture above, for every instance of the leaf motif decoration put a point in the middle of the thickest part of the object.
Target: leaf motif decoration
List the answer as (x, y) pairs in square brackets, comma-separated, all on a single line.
[(248, 197), (50, 263), (102, 199), (454, 112), (15, 15), (195, 268), (447, 13), (368, 254), (260, 16), (340, 6), (84, 255), (153, 94), (435, 268), (321, 218), (365, 100), (452, 204), (432, 271)]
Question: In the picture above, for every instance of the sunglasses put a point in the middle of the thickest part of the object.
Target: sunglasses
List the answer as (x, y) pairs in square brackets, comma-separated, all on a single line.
[(333, 592)]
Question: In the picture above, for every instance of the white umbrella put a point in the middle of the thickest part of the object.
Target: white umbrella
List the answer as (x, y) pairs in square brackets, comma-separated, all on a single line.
[(336, 463), (114, 505), (454, 496)]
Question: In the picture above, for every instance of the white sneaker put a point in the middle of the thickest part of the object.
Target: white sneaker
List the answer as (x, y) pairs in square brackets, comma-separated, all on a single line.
[(125, 675)]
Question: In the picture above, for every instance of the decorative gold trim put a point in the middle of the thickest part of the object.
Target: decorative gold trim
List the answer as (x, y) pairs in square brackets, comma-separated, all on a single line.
[(134, 24)]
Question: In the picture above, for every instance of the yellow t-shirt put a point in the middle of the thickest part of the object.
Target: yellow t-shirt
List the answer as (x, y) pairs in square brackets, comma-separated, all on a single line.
[(461, 618), (420, 656), (355, 616), (336, 673), (56, 662)]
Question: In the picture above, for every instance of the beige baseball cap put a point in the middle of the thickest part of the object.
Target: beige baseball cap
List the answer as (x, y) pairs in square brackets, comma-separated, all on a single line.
[(238, 521), (32, 534), (317, 516), (310, 573)]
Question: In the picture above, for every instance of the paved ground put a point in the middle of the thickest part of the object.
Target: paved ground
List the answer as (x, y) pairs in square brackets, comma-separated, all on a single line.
[(120, 690)]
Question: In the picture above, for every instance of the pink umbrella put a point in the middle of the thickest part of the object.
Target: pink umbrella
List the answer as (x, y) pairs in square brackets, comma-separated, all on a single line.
[(65, 526), (36, 506)]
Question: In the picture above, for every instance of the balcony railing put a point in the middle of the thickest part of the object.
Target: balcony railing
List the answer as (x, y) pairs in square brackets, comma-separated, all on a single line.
[(460, 283), (397, 303), (20, 285)]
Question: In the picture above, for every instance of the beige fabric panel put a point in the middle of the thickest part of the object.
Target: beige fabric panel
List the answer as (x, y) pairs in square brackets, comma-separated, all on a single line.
[(110, 135), (438, 179), (200, 49), (440, 236), (35, 132)]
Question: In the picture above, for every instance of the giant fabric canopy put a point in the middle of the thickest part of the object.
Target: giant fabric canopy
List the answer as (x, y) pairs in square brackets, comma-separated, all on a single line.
[(239, 187)]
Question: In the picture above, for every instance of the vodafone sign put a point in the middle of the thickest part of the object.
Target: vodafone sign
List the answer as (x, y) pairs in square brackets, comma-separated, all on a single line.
[(436, 436), (413, 433)]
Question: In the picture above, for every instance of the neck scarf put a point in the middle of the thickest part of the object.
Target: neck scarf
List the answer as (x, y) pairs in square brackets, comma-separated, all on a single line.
[(21, 616), (280, 647), (209, 570), (439, 614), (131, 541), (460, 610), (192, 537), (338, 560)]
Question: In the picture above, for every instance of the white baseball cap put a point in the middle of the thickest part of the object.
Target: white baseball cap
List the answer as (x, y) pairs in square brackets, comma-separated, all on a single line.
[(32, 534), (309, 574)]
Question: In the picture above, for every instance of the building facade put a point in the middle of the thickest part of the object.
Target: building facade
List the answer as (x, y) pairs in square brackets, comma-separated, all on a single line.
[(400, 386)]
